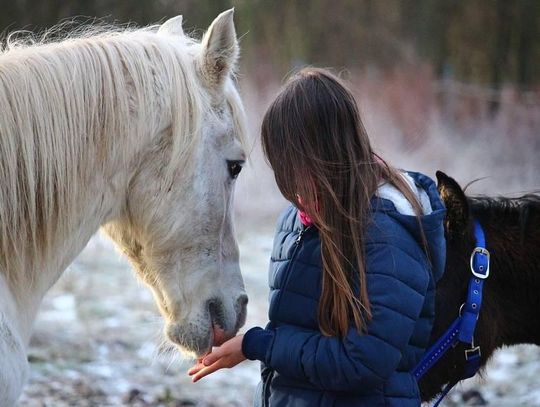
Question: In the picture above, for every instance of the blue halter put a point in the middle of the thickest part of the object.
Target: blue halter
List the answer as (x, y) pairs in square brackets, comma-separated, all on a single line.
[(462, 329)]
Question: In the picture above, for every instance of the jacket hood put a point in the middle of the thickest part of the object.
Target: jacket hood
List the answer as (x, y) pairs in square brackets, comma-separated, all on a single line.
[(432, 221)]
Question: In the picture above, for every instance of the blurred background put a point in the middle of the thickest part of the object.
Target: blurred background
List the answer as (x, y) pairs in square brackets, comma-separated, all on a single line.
[(441, 84)]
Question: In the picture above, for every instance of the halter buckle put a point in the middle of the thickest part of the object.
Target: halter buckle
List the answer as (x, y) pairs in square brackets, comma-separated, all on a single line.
[(472, 352), (483, 251)]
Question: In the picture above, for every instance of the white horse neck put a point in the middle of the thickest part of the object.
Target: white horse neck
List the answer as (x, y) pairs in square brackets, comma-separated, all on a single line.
[(98, 201), (82, 125)]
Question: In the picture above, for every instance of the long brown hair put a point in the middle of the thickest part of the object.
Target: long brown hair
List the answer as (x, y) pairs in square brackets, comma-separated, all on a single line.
[(315, 142)]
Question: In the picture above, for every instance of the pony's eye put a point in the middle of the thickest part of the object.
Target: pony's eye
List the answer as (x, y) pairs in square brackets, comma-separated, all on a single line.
[(234, 168)]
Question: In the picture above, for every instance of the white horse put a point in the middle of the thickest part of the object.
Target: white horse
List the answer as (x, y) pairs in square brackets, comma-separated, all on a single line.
[(138, 131)]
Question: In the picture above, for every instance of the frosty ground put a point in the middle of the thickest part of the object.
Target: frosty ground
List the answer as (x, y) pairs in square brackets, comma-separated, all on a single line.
[(98, 333)]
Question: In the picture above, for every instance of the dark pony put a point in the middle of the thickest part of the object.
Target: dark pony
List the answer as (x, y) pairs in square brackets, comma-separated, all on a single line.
[(511, 301)]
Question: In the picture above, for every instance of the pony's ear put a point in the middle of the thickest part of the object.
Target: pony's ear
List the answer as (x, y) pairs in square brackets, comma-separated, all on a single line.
[(219, 49), (172, 26), (457, 208)]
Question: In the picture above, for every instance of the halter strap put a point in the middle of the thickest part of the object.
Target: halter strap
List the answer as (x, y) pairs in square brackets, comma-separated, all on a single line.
[(463, 327)]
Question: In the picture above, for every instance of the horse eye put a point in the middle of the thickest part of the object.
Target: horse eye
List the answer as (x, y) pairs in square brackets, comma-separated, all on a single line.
[(234, 168)]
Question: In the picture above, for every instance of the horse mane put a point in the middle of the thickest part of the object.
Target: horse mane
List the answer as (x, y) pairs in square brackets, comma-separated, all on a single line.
[(67, 107), (518, 210)]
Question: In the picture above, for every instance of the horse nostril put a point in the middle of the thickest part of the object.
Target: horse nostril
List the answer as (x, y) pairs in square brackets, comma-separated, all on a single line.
[(242, 301), (217, 312), (213, 307), (241, 311)]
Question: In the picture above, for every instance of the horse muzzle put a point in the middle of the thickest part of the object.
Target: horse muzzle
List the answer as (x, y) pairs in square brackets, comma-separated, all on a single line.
[(223, 328), (215, 326)]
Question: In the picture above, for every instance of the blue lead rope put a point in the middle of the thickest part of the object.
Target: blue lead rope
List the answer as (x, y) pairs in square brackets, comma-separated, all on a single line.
[(462, 329)]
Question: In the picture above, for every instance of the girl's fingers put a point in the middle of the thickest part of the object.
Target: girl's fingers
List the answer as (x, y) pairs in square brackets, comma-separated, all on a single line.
[(195, 369), (212, 357), (227, 349), (206, 371)]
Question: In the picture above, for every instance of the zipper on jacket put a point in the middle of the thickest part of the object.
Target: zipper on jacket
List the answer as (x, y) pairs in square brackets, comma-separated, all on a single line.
[(297, 244), (300, 236), (270, 376)]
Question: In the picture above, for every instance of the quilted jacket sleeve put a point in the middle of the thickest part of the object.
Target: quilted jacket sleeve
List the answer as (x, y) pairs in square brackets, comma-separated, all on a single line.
[(396, 283)]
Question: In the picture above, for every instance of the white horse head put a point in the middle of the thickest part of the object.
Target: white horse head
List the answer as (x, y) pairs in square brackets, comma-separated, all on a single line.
[(138, 131), (177, 228)]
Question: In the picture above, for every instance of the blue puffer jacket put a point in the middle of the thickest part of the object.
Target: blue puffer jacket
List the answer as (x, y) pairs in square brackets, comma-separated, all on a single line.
[(300, 366)]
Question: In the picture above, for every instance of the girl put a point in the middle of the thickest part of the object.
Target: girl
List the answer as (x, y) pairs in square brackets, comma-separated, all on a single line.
[(354, 264)]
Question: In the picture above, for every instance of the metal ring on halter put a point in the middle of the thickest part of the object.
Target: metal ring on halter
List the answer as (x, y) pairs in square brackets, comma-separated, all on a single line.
[(485, 252), (461, 309)]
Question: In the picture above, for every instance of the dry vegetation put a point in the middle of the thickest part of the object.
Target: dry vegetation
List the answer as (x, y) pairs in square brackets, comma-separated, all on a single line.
[(420, 123)]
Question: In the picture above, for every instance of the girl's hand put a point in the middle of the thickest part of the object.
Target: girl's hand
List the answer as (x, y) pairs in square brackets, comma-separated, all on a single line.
[(226, 356)]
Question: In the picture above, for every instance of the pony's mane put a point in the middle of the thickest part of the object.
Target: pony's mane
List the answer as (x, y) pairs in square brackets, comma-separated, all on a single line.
[(67, 106), (518, 210)]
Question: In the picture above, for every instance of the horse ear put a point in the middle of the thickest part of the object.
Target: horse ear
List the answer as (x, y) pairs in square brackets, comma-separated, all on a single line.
[(219, 49), (457, 208), (172, 26)]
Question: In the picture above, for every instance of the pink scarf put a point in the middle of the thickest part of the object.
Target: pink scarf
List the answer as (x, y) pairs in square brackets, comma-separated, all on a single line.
[(304, 218)]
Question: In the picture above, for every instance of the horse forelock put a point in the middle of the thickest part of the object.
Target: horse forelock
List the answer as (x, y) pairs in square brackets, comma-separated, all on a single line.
[(68, 107)]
